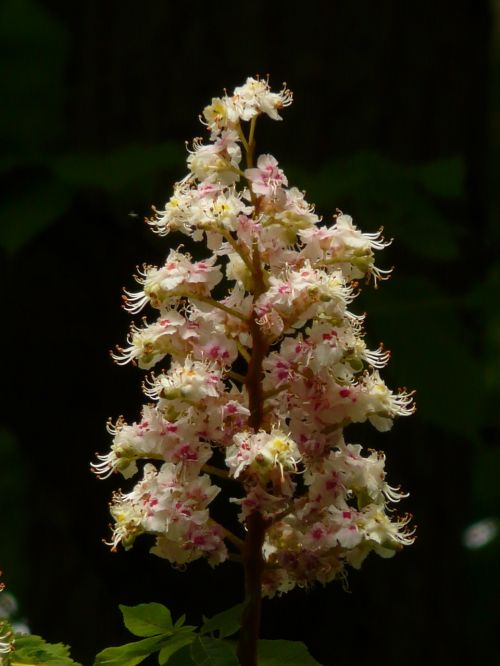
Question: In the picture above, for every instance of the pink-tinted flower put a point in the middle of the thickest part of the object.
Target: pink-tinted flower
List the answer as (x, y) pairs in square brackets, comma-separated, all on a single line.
[(267, 177), (258, 377)]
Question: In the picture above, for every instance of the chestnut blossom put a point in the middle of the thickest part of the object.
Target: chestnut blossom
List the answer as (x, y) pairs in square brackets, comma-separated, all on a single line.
[(260, 368), (251, 99), (262, 454), (267, 177), (172, 508), (178, 277), (216, 162)]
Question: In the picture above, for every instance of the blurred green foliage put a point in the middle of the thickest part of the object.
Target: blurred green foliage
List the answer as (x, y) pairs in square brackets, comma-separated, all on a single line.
[(33, 62), (42, 176), (403, 198)]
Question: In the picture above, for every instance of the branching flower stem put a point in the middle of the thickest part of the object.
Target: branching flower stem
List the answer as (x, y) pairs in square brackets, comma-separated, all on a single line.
[(215, 471), (236, 376), (243, 352), (238, 248), (266, 378), (239, 543), (270, 394), (256, 524), (220, 306)]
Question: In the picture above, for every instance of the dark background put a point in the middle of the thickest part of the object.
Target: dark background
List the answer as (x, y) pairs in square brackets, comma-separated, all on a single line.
[(396, 121)]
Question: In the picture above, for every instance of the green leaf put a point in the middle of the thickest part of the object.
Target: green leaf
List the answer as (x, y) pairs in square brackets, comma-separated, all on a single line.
[(226, 623), (180, 621), (174, 644), (129, 654), (277, 653), (147, 619), (33, 650), (181, 658), (212, 652)]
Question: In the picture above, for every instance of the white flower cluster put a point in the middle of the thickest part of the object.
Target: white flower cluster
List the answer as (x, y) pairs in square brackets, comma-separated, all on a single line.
[(262, 380), (7, 641)]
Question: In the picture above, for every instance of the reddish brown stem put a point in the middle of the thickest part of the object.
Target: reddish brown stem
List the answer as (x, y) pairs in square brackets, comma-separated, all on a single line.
[(256, 524), (253, 564)]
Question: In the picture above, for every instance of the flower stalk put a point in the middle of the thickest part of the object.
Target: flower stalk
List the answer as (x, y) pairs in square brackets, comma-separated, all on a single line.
[(311, 504)]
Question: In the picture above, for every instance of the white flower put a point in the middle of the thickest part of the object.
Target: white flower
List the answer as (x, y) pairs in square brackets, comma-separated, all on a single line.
[(265, 375), (192, 381), (217, 162), (178, 277), (150, 344), (382, 404), (267, 177), (162, 503), (262, 453), (344, 246), (220, 114), (255, 97)]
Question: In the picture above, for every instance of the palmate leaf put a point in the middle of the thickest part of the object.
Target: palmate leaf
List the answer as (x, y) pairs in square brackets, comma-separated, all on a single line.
[(181, 658), (212, 652), (147, 619), (33, 650), (226, 623), (180, 640), (129, 654), (154, 622)]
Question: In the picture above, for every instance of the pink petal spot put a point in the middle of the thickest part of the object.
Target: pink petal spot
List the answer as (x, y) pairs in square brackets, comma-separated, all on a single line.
[(346, 515), (199, 540), (344, 393), (331, 484), (186, 453)]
